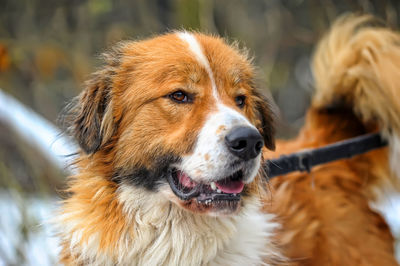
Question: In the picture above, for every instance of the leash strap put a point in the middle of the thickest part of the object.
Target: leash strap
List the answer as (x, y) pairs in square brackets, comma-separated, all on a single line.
[(306, 159)]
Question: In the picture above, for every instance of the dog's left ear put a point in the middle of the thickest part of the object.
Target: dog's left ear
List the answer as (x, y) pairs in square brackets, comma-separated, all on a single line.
[(266, 115)]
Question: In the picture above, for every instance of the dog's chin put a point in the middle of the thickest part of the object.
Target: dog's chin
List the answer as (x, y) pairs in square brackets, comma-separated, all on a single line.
[(223, 197), (213, 208)]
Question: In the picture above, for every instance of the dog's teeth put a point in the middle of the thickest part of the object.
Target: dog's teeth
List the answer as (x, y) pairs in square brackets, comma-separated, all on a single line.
[(213, 186), (219, 191)]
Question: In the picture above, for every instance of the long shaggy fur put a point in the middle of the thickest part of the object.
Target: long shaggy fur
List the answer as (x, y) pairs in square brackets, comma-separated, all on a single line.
[(123, 121), (356, 64), (326, 215), (121, 210)]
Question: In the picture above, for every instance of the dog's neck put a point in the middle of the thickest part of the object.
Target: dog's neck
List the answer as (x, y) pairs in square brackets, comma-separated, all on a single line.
[(156, 231), (169, 235)]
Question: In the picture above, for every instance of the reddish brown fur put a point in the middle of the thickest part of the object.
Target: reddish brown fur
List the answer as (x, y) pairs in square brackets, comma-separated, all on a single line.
[(326, 215), (95, 200), (141, 66), (123, 120)]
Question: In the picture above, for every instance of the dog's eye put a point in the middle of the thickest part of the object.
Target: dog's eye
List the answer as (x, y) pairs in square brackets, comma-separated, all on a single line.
[(240, 100), (179, 96)]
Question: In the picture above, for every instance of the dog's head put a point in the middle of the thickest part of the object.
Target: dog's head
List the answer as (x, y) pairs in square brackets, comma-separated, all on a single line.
[(178, 115)]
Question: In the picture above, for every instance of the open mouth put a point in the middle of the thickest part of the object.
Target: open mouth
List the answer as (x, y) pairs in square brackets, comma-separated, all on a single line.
[(226, 189)]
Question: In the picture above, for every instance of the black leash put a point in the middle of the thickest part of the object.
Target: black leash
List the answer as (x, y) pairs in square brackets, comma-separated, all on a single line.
[(305, 160)]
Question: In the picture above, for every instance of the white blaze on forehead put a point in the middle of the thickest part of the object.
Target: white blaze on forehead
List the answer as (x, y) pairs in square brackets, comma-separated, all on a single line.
[(196, 49), (211, 160)]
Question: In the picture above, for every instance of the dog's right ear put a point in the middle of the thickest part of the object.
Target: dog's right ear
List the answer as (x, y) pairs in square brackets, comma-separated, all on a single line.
[(90, 116), (266, 117)]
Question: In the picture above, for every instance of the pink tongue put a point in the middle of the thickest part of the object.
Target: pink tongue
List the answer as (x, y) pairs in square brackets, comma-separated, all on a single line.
[(185, 180), (230, 186)]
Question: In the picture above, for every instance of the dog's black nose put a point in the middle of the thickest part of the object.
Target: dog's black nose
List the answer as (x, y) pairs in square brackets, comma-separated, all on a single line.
[(244, 142)]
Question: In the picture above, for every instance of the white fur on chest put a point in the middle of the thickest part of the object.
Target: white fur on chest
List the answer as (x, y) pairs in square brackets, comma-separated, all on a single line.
[(168, 235)]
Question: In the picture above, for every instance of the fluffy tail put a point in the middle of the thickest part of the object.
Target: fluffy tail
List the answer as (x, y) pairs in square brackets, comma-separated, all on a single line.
[(358, 64)]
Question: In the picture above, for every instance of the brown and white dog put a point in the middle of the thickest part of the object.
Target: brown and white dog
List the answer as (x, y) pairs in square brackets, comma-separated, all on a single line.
[(172, 130)]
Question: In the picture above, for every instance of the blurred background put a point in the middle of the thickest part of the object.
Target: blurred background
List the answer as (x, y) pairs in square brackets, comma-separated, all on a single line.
[(48, 48)]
